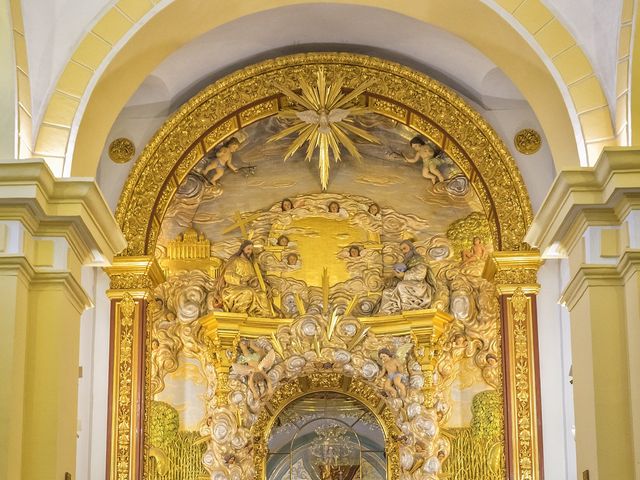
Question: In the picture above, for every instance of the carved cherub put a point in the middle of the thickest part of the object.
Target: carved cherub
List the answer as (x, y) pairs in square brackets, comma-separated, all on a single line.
[(394, 366), (223, 159), (430, 162), (255, 362), (477, 251)]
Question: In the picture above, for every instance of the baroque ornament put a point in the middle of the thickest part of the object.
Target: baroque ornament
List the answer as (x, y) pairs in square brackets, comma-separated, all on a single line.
[(325, 122), (121, 150), (525, 427), (122, 414), (528, 141), (271, 372), (251, 94)]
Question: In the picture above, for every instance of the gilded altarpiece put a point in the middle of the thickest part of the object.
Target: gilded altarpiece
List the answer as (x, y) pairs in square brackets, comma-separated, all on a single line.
[(393, 282)]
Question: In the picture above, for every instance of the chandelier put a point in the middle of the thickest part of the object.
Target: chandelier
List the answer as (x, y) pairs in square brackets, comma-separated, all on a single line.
[(334, 455)]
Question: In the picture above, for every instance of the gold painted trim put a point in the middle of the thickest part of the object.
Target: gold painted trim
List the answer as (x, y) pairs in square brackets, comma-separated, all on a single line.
[(519, 335), (248, 95), (124, 389), (514, 270)]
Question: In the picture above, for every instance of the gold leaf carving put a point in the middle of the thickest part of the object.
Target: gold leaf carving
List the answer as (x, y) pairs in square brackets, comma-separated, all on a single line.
[(213, 115)]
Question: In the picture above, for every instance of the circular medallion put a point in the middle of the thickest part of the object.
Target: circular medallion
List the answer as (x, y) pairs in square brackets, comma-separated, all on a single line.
[(121, 150), (528, 141)]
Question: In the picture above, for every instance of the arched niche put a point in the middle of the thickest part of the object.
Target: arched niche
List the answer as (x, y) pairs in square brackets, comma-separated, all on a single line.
[(343, 391), (251, 94)]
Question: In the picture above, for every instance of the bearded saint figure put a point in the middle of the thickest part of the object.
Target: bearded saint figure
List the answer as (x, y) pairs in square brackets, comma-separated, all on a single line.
[(241, 288), (413, 285)]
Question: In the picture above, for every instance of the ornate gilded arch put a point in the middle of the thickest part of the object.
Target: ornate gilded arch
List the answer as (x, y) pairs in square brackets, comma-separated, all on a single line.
[(327, 382), (250, 94)]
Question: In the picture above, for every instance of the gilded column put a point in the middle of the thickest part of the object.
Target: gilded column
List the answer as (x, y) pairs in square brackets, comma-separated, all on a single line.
[(515, 275), (132, 283)]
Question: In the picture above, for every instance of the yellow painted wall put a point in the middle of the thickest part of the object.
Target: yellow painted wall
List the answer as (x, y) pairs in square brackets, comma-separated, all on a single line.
[(13, 337)]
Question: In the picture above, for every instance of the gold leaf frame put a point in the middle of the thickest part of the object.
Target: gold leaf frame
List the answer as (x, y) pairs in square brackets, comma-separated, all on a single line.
[(304, 385), (250, 94)]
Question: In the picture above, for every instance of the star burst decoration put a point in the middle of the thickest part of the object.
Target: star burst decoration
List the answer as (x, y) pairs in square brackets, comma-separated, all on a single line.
[(323, 119)]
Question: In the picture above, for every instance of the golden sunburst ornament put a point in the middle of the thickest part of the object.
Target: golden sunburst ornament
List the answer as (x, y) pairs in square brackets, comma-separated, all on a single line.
[(326, 121)]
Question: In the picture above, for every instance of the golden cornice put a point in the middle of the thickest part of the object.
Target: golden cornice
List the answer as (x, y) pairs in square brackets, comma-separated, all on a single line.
[(429, 322), (514, 270), (241, 324), (250, 94), (137, 275)]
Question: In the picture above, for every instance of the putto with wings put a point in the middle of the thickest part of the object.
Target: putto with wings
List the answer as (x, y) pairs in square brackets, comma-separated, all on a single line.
[(323, 117), (255, 361), (394, 366)]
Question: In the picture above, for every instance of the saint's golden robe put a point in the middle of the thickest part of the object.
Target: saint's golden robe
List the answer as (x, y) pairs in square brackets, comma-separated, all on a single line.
[(241, 292)]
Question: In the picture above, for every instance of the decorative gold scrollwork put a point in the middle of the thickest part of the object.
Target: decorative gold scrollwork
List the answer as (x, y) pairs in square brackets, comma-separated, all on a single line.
[(250, 94)]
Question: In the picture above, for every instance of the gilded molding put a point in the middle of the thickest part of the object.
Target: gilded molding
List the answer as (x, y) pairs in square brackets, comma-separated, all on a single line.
[(138, 275), (513, 270), (515, 277), (527, 141), (121, 150), (132, 280), (522, 364), (397, 92), (123, 399)]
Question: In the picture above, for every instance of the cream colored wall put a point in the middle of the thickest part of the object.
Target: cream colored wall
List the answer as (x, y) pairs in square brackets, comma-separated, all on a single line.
[(554, 344), (13, 338), (632, 305), (8, 100), (93, 389), (592, 217), (48, 230), (546, 41)]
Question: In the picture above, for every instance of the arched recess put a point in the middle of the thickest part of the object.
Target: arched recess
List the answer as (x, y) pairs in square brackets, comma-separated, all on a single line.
[(250, 94), (528, 44), (301, 386)]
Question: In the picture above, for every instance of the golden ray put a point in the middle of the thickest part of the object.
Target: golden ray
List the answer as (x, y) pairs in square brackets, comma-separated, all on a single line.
[(277, 346), (324, 125), (331, 326), (325, 289), (299, 304), (352, 304), (361, 335)]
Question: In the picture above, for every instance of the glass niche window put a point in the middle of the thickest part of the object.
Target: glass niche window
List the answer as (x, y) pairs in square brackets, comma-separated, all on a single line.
[(326, 436)]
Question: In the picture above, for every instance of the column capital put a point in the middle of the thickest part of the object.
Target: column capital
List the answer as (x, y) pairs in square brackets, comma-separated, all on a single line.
[(42, 207), (136, 275), (602, 195), (514, 270)]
